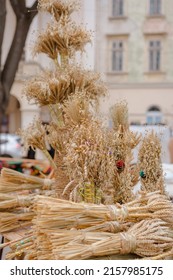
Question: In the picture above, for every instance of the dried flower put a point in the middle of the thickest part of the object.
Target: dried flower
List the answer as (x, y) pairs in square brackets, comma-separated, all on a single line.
[(58, 8), (55, 87), (62, 39)]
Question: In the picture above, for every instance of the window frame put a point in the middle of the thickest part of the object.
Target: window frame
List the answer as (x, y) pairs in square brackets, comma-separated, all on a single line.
[(154, 55), (154, 118), (118, 52), (117, 9), (155, 8)]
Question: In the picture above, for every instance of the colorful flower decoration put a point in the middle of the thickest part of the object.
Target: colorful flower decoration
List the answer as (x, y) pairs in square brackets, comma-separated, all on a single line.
[(120, 165), (142, 174)]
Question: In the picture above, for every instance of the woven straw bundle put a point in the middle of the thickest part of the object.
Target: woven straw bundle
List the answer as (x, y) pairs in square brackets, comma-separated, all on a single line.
[(86, 208)]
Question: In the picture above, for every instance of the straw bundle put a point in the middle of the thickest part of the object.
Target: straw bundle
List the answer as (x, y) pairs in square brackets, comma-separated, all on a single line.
[(60, 214), (4, 197), (19, 247), (61, 178), (63, 38), (11, 221), (58, 8), (55, 87), (149, 161), (14, 201), (112, 227), (13, 181), (119, 115), (146, 238), (163, 256), (40, 247), (91, 159), (90, 165), (55, 219)]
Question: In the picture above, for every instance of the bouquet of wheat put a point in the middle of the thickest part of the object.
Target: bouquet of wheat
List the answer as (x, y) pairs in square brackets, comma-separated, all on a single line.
[(14, 181), (61, 220), (146, 238), (60, 214)]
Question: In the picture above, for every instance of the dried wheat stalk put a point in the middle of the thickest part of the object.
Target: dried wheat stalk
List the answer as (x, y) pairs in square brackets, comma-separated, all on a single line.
[(13, 181), (119, 115), (147, 238), (35, 136), (15, 201), (58, 8), (55, 87), (149, 161), (56, 213), (11, 221), (62, 38)]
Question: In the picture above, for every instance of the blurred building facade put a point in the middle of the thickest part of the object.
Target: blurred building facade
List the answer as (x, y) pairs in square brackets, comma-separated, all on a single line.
[(134, 43), (132, 49)]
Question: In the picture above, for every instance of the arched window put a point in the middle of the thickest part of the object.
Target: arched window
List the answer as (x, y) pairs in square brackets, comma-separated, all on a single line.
[(154, 115)]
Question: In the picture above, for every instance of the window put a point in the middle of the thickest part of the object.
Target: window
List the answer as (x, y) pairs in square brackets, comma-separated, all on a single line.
[(154, 55), (155, 7), (154, 115), (117, 56), (117, 8)]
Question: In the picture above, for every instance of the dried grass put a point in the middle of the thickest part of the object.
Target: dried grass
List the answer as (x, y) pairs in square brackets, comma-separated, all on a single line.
[(55, 87), (149, 161), (58, 8), (90, 159), (119, 115), (91, 164), (62, 39), (11, 221), (12, 181), (62, 214), (146, 238), (15, 201)]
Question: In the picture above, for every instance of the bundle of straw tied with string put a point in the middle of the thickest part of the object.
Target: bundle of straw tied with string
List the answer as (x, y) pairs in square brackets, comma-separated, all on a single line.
[(87, 207)]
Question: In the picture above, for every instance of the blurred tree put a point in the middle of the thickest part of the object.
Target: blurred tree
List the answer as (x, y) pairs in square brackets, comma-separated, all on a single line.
[(24, 16)]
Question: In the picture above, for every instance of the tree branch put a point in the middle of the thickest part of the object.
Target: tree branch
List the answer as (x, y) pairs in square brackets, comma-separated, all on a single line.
[(2, 24), (2, 28), (33, 9), (14, 55), (11, 65), (19, 7)]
